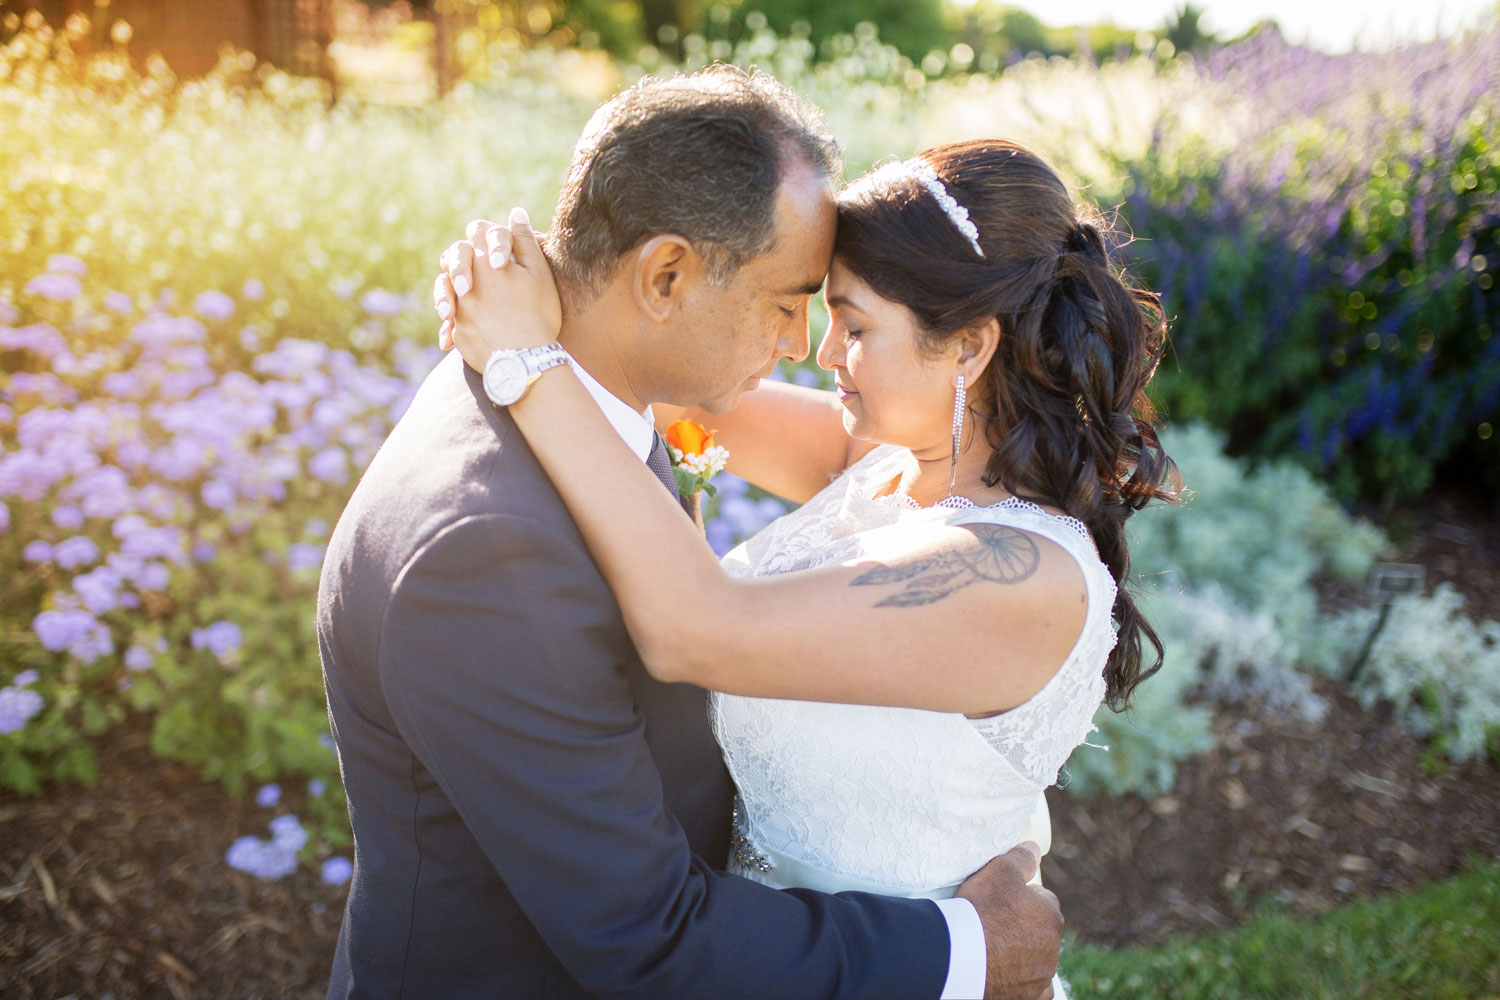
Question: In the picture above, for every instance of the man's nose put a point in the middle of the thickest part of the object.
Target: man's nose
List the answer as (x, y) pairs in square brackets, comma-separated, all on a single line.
[(795, 346)]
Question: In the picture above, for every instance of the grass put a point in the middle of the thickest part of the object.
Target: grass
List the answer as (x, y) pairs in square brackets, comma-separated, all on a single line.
[(1440, 943)]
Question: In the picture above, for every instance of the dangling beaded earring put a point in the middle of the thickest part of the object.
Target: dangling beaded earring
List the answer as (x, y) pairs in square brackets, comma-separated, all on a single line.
[(960, 403)]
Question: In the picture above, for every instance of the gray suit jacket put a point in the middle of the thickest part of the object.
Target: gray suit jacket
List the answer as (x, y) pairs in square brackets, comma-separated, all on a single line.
[(534, 815)]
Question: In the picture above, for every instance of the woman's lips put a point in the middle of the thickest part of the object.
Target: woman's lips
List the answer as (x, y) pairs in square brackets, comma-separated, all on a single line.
[(843, 392)]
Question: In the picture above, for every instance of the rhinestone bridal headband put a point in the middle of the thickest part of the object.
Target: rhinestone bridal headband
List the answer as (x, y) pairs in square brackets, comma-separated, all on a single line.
[(934, 184)]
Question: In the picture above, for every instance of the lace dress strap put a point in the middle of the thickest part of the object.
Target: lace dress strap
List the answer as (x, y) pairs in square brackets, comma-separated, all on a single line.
[(1037, 736)]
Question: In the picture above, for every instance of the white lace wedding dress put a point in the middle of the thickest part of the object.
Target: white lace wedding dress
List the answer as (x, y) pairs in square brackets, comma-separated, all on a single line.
[(899, 801)]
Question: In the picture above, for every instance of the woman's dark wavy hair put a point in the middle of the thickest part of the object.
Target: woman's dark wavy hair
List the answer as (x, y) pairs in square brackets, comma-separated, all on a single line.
[(1062, 401)]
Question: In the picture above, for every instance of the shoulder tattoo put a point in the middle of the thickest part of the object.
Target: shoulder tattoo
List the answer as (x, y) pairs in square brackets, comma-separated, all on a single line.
[(1002, 555)]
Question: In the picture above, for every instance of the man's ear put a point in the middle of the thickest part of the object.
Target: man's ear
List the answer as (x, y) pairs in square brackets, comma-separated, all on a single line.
[(667, 268)]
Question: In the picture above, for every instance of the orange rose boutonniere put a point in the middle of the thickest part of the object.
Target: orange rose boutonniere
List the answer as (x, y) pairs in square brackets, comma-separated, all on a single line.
[(695, 457)]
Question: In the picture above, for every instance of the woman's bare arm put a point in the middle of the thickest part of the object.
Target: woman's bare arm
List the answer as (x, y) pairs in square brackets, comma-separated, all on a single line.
[(786, 439), (970, 619)]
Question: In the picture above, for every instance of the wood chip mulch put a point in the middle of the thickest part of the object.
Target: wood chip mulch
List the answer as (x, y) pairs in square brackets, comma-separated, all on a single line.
[(1310, 814), (121, 890)]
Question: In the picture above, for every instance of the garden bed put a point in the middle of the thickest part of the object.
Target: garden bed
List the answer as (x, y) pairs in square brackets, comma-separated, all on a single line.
[(122, 888)]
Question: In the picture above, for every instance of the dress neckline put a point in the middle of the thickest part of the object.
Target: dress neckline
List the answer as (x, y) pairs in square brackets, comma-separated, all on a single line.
[(872, 477)]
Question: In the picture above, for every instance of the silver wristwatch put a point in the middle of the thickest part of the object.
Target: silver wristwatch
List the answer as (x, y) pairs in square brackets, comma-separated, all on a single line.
[(509, 373)]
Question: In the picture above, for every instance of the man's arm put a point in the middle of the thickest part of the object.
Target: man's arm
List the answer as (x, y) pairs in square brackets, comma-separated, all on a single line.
[(501, 657)]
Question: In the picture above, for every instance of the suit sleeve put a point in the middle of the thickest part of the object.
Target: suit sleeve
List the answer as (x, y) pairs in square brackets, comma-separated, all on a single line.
[(501, 657)]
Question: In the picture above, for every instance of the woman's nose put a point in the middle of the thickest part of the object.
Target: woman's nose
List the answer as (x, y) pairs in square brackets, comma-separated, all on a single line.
[(830, 351)]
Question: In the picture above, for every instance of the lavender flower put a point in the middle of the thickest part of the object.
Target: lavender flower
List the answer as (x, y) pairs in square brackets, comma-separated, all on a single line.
[(62, 263), (37, 552), (316, 788), (17, 706), (99, 589), (74, 552), (218, 494), (55, 287), (253, 290), (222, 638), (119, 302), (67, 517), (57, 630), (331, 465), (213, 305), (25, 678), (138, 658), (378, 302), (268, 796), (300, 556), (337, 870), (261, 859), (288, 833)]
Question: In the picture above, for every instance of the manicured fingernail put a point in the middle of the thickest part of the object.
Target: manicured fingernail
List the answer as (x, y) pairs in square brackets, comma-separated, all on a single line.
[(461, 285), (444, 307), (497, 258), (519, 214)]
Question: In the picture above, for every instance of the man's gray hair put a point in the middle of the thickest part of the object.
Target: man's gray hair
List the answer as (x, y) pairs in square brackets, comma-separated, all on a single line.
[(700, 155)]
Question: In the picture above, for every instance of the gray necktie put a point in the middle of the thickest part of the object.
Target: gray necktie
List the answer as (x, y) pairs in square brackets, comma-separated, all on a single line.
[(661, 464)]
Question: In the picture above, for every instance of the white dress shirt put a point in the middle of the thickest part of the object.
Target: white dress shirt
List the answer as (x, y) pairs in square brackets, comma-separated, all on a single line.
[(967, 959)]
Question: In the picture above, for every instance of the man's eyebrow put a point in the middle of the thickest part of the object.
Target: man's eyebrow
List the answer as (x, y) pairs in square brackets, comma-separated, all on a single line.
[(810, 288)]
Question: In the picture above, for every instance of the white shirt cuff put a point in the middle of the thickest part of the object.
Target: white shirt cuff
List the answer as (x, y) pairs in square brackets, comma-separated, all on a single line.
[(967, 962)]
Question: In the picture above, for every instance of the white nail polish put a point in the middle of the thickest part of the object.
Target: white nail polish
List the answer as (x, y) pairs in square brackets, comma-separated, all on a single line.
[(461, 285), (444, 307), (497, 259)]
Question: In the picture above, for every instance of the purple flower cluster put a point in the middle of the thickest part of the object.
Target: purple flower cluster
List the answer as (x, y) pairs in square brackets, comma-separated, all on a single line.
[(75, 631), (737, 515), (18, 705), (1364, 190), (131, 453), (337, 870), (222, 639), (269, 859)]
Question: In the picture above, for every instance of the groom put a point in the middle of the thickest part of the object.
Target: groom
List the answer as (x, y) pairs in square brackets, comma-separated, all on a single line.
[(534, 815)]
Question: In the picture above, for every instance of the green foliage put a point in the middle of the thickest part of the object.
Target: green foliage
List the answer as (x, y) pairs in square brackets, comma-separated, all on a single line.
[(1441, 943), (1330, 275), (1227, 581), (915, 27), (1439, 668)]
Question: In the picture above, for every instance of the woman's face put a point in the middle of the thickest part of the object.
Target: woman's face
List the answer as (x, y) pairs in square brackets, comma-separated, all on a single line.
[(892, 391)]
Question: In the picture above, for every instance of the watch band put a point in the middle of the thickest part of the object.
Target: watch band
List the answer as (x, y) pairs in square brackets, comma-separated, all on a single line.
[(539, 359), (509, 373)]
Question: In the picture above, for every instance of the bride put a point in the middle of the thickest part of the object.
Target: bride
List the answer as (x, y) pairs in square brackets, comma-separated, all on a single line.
[(904, 662)]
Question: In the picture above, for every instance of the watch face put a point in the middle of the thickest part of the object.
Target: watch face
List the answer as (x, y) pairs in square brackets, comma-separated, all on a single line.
[(505, 379)]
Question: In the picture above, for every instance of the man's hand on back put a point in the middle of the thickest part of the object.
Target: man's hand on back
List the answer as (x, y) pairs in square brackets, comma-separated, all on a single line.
[(1023, 926)]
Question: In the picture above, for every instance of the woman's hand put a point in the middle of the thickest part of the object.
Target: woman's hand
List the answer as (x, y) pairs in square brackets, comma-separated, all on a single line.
[(496, 291)]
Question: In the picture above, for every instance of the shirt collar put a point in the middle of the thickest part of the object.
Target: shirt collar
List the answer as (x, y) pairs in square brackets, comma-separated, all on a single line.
[(637, 430)]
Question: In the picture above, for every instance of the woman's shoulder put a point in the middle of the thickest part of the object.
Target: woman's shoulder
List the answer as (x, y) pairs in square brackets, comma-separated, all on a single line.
[(1026, 516)]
